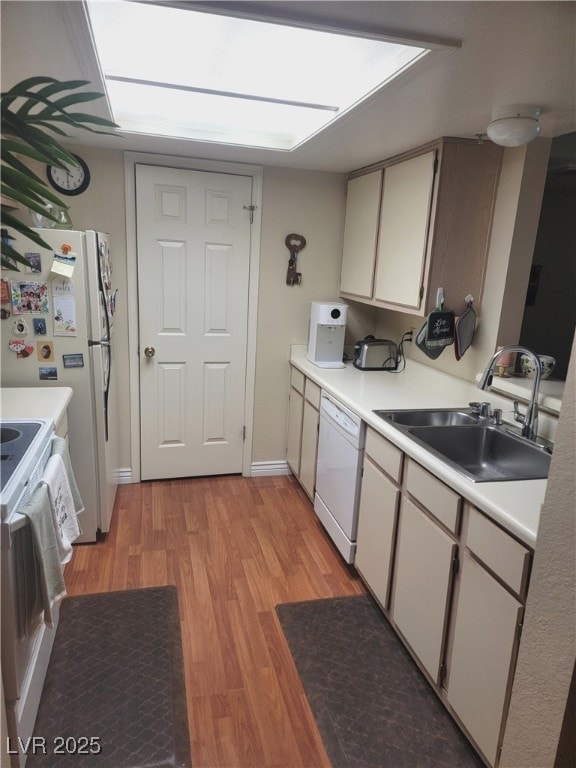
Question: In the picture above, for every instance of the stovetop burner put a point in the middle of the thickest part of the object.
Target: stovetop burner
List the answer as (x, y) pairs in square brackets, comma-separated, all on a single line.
[(15, 441), (21, 445)]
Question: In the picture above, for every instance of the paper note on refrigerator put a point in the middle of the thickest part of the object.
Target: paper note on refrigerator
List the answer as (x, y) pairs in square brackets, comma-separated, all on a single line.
[(64, 261), (64, 304)]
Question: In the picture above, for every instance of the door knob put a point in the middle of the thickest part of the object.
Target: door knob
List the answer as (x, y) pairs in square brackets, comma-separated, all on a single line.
[(149, 352)]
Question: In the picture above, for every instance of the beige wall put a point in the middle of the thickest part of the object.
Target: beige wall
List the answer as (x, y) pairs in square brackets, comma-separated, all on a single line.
[(548, 648), (310, 204), (306, 202)]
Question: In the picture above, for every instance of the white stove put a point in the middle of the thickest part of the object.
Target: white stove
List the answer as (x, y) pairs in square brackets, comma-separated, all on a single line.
[(25, 449)]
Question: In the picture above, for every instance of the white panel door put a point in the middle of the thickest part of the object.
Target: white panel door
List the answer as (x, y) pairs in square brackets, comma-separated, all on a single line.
[(193, 239)]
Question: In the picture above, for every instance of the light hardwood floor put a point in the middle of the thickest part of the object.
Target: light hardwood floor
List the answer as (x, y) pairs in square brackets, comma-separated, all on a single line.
[(235, 548)]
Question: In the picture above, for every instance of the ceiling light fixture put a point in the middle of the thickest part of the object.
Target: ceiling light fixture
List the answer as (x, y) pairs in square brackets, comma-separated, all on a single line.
[(228, 79), (514, 125)]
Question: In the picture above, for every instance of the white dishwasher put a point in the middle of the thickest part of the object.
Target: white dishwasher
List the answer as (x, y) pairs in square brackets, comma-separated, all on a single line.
[(338, 473)]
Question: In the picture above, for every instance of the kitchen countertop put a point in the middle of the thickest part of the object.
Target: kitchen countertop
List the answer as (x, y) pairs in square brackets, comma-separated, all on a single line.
[(549, 394), (34, 402), (515, 505)]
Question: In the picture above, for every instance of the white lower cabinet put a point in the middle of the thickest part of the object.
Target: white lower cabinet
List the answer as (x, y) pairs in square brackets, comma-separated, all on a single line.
[(309, 447), (303, 418), (295, 411), (376, 526), (378, 514), (452, 582), (482, 660), (424, 564)]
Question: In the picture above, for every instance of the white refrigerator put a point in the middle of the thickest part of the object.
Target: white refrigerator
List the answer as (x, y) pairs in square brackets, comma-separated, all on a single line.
[(57, 330)]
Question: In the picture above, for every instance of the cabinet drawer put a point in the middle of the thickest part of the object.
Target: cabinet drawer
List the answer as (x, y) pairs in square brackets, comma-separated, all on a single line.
[(436, 497), (297, 380), (384, 454), (312, 393), (502, 554)]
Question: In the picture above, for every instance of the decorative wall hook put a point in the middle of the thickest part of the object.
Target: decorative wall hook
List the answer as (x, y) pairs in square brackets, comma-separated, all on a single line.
[(295, 243)]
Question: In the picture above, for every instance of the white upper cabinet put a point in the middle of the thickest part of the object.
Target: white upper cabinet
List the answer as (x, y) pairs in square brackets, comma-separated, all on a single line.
[(402, 237), (360, 232), (419, 222)]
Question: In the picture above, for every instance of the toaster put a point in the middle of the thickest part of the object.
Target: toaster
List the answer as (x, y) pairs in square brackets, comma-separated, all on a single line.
[(372, 354)]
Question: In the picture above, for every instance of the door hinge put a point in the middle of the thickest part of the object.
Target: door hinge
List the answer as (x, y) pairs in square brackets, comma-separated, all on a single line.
[(421, 292), (244, 433), (441, 674), (455, 564), (251, 209)]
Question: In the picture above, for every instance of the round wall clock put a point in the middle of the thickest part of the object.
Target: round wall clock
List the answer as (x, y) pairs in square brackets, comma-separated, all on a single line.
[(71, 180)]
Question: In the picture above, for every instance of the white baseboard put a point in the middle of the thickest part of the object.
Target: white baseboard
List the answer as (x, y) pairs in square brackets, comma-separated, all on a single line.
[(124, 476), (257, 469), (268, 468)]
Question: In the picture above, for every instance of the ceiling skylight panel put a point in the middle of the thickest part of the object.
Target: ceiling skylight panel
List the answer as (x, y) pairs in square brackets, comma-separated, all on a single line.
[(207, 118), (239, 59)]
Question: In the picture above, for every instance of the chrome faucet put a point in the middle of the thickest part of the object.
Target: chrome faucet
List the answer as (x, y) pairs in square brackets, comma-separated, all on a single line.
[(529, 420)]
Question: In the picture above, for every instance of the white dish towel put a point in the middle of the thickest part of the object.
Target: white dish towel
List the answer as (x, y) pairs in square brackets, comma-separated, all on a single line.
[(62, 503)]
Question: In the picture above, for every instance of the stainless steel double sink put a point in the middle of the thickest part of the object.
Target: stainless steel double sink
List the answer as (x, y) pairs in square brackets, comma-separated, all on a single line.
[(479, 450)]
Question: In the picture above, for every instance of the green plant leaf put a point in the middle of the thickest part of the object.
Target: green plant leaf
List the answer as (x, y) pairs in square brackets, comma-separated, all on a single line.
[(31, 82), (14, 161), (34, 114), (53, 107), (25, 230), (45, 93), (9, 148), (71, 99), (42, 142), (11, 257), (35, 204), (25, 183), (76, 119)]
